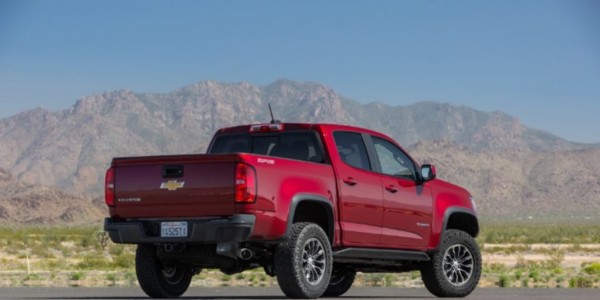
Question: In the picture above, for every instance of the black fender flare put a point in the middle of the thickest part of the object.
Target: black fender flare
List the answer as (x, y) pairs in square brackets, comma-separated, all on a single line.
[(320, 200), (457, 209)]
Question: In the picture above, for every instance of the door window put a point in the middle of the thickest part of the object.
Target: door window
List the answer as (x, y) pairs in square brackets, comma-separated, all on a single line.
[(393, 160), (351, 149)]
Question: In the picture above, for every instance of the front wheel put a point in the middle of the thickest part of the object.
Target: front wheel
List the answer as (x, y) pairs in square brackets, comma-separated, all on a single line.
[(455, 267), (159, 280), (303, 262)]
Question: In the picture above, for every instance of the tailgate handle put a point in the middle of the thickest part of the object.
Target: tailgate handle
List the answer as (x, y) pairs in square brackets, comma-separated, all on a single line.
[(172, 171)]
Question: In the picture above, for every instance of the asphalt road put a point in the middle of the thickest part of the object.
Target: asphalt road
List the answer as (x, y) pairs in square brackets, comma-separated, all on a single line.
[(275, 293)]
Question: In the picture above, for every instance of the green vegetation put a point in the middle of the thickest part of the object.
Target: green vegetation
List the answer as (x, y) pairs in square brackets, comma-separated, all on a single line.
[(592, 269), (581, 282), (523, 232), (504, 281), (534, 276), (62, 248), (374, 279), (76, 276), (84, 256)]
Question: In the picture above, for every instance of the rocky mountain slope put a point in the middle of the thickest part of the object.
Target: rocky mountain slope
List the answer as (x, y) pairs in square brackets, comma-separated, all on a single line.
[(27, 204), (70, 149), (543, 185)]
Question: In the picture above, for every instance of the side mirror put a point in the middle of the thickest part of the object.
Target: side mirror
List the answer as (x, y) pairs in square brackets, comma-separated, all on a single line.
[(428, 172)]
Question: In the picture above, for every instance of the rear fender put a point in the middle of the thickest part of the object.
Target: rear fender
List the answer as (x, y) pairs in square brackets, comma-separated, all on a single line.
[(316, 200)]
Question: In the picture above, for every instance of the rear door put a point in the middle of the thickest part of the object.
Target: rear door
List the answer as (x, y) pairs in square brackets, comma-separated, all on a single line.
[(360, 193), (407, 205)]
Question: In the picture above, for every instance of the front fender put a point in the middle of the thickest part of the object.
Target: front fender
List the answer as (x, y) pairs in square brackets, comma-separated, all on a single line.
[(463, 218)]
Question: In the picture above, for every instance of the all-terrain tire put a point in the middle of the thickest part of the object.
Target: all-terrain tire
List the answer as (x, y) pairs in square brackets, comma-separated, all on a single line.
[(303, 262), (340, 282), (158, 280), (455, 267)]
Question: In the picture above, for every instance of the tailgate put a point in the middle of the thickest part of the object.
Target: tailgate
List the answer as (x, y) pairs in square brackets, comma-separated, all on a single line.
[(174, 186)]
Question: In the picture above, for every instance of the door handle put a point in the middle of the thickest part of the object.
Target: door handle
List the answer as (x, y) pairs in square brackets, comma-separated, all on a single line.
[(391, 188), (350, 181)]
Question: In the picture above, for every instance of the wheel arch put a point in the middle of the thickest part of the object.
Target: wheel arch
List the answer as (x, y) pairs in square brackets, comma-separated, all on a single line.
[(312, 208), (461, 219)]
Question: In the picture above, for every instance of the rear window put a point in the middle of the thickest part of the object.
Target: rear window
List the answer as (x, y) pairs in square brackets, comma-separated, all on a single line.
[(300, 145)]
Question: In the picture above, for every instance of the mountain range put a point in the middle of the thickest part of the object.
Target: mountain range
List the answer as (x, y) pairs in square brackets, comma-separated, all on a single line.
[(512, 169)]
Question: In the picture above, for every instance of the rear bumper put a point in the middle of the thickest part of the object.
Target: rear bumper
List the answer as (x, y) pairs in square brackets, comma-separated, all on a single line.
[(236, 228)]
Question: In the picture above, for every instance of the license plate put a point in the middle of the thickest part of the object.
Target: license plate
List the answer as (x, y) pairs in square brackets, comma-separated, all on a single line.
[(173, 229)]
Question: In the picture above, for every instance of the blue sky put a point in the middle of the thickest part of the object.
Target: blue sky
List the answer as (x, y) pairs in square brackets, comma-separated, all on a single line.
[(536, 60)]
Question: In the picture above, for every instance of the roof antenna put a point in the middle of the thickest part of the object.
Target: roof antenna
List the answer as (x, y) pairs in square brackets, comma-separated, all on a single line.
[(273, 121)]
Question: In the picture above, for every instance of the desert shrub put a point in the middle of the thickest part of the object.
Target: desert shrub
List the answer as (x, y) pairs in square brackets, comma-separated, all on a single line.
[(111, 278), (592, 269), (504, 281), (581, 282), (389, 279), (555, 259), (518, 274), (116, 249), (559, 281), (374, 279), (93, 262), (534, 274), (76, 276), (415, 274), (124, 261)]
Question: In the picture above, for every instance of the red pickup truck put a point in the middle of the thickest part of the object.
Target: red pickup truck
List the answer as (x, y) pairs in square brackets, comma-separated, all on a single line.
[(312, 204)]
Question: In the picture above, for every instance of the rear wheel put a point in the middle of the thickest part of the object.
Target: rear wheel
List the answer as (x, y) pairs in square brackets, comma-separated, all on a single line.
[(455, 267), (340, 282), (303, 263), (159, 280)]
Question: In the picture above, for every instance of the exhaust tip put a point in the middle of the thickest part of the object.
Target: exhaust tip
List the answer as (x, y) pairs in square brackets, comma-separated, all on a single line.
[(245, 253)]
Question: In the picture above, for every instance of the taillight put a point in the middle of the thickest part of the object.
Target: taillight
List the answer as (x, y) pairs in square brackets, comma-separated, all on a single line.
[(109, 187), (245, 183), (276, 127)]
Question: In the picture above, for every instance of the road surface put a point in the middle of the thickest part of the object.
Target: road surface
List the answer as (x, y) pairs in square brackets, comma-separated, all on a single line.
[(223, 293)]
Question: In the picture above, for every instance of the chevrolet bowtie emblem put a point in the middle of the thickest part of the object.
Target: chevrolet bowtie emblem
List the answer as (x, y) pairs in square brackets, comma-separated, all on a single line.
[(171, 185)]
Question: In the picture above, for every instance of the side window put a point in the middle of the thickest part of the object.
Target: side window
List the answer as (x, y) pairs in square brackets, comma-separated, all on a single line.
[(393, 160), (352, 149)]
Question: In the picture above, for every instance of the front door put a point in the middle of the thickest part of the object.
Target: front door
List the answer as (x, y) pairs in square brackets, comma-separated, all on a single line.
[(407, 205)]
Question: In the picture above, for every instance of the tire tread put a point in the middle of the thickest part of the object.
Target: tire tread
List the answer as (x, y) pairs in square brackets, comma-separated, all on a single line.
[(433, 274), (289, 276), (148, 270)]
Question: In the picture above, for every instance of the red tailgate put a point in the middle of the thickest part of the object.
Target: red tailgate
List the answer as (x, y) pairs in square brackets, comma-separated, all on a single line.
[(174, 186)]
